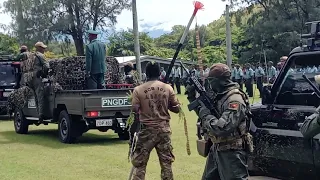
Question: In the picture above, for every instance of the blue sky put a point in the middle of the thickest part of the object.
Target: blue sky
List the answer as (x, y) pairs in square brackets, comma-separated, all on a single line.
[(158, 16)]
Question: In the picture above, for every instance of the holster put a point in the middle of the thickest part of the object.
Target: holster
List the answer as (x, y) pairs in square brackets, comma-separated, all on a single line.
[(203, 147)]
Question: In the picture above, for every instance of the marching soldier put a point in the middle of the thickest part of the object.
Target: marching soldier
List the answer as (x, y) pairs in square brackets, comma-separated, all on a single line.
[(228, 132), (153, 100), (95, 62)]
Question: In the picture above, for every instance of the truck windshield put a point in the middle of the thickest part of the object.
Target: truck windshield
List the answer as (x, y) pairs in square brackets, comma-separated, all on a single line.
[(294, 90), (7, 76)]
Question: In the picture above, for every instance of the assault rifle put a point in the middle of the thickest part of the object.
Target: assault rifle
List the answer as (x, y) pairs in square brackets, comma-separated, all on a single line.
[(203, 144)]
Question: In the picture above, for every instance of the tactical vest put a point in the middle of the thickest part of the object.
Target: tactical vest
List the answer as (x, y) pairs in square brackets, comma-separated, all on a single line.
[(29, 67), (237, 139)]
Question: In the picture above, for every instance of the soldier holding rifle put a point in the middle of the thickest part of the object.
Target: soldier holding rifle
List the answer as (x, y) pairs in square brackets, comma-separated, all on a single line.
[(228, 128)]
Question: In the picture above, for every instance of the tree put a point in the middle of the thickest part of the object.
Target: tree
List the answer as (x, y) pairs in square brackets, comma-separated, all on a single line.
[(8, 45), (35, 20), (123, 41)]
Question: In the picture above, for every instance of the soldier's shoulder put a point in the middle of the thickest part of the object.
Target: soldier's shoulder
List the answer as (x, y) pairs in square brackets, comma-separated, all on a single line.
[(39, 54), (234, 95)]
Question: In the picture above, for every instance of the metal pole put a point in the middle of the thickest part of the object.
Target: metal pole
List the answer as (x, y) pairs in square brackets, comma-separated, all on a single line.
[(228, 39), (136, 36)]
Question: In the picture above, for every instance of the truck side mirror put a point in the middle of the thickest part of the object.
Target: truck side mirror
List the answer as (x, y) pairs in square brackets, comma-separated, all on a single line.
[(266, 94)]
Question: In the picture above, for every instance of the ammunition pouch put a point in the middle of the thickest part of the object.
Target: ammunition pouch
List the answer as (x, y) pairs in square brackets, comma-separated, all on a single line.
[(248, 142), (203, 147)]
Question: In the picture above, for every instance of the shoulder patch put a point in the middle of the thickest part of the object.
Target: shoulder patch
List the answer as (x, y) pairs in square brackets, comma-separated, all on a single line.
[(233, 106)]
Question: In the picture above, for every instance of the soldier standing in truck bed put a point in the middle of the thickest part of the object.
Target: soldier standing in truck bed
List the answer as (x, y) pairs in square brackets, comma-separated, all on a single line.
[(95, 62), (153, 100)]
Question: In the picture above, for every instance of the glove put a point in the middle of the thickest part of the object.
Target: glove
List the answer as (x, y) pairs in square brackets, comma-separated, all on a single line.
[(203, 111), (191, 92)]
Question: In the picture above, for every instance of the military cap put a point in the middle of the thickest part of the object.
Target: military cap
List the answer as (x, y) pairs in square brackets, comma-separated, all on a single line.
[(93, 32), (219, 70), (40, 44)]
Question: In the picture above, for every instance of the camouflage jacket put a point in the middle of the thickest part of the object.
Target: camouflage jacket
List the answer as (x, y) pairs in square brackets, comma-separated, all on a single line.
[(228, 129), (311, 126), (34, 63)]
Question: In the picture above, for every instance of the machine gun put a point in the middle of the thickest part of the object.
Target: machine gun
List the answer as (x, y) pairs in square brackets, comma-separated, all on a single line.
[(313, 36), (203, 144)]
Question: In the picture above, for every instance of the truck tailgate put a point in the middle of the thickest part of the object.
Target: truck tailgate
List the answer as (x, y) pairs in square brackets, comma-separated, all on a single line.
[(107, 102)]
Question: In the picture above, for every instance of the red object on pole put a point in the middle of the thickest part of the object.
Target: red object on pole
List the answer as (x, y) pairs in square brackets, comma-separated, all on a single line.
[(197, 5)]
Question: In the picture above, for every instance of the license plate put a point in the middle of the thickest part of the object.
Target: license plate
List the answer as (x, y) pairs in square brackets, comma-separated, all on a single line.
[(103, 122), (115, 102), (6, 94)]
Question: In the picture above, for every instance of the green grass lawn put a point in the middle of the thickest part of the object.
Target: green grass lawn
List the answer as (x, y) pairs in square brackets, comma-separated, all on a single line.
[(96, 155)]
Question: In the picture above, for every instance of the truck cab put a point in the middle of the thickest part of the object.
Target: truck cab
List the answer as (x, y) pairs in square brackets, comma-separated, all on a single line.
[(7, 81), (280, 149)]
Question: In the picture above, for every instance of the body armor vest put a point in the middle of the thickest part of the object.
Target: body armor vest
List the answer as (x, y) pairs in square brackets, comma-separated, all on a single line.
[(237, 139)]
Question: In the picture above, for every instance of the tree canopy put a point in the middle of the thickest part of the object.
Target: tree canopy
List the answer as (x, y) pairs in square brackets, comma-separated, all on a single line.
[(273, 26)]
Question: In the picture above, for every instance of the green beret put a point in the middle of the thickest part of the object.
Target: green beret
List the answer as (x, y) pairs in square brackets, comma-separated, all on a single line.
[(93, 32)]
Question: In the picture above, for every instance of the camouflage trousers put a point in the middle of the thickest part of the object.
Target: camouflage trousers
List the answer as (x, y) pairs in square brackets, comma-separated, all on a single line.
[(149, 138), (37, 86), (226, 165)]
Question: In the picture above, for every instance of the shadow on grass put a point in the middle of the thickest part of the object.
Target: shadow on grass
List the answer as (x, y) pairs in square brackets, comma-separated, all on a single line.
[(50, 138)]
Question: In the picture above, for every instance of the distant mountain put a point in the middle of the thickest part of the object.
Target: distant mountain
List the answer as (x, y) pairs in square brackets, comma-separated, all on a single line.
[(156, 33)]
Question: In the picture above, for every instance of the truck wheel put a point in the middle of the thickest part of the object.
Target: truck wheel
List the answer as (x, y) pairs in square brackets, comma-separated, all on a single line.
[(65, 128), (123, 135), (21, 124)]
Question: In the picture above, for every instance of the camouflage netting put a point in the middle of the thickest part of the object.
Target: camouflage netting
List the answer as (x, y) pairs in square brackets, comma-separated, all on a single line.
[(69, 72), (19, 98)]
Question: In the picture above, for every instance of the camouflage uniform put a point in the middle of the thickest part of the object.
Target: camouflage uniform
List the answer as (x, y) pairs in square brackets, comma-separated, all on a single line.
[(228, 132), (311, 126), (149, 138), (33, 68), (155, 129)]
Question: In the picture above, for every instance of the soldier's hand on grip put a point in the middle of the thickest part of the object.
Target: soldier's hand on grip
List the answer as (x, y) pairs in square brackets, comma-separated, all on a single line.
[(191, 91), (203, 111)]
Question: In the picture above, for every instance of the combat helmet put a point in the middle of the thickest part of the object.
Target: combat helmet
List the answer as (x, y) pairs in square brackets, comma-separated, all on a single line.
[(219, 70)]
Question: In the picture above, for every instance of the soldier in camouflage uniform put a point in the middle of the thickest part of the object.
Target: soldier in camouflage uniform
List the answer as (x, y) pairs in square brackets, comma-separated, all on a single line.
[(21, 57), (153, 100), (131, 76), (227, 158), (34, 68), (311, 126)]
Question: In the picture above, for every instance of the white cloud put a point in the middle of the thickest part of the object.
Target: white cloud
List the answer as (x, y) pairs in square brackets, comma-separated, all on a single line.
[(161, 14), (169, 13)]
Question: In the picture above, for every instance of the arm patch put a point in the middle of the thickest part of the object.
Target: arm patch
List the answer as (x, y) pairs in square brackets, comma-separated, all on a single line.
[(233, 106)]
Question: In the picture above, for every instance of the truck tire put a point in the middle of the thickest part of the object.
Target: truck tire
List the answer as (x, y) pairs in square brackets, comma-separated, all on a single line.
[(123, 135), (65, 128), (21, 124)]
